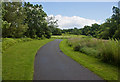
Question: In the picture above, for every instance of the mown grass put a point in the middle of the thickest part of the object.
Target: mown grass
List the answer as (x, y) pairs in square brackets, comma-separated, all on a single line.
[(104, 70), (18, 60)]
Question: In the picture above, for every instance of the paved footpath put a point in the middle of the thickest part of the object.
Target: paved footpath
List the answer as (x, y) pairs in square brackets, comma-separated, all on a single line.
[(51, 64)]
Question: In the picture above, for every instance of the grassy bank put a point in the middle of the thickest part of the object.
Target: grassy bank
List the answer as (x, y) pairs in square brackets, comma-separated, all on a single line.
[(106, 50), (18, 60), (8, 42), (104, 70)]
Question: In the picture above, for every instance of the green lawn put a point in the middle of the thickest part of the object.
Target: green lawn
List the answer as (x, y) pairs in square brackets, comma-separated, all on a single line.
[(18, 60), (105, 71)]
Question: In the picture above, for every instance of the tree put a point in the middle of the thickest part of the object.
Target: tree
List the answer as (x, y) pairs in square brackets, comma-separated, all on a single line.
[(109, 29), (52, 24), (116, 19), (57, 31), (13, 20), (86, 30), (37, 24), (76, 31)]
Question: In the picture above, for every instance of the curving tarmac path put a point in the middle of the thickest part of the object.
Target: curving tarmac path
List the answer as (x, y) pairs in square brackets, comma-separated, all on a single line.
[(51, 64)]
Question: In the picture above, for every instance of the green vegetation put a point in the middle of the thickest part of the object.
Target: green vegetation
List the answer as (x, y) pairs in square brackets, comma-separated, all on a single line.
[(37, 24), (109, 29), (104, 70), (106, 50), (66, 36), (52, 24), (8, 42), (74, 31), (18, 60), (0, 61), (25, 28), (27, 20)]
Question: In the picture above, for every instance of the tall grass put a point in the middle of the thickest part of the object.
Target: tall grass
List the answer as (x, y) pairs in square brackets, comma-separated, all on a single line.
[(109, 51), (106, 50)]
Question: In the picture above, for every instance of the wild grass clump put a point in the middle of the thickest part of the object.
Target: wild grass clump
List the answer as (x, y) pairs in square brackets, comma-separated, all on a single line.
[(90, 51), (85, 45), (8, 42), (106, 50), (110, 51)]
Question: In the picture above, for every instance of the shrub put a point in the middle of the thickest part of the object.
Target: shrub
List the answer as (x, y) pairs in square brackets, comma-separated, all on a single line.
[(8, 42), (77, 47), (90, 51)]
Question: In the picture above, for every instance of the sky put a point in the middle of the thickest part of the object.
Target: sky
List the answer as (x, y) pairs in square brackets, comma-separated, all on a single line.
[(78, 14)]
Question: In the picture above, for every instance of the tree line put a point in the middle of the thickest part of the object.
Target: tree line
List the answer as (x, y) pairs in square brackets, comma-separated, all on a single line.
[(109, 29), (27, 20)]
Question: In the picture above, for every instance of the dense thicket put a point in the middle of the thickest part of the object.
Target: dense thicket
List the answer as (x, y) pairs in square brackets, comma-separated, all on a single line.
[(26, 20), (109, 29)]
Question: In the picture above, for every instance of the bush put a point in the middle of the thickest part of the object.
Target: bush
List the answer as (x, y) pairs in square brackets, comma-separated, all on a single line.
[(8, 42), (77, 47)]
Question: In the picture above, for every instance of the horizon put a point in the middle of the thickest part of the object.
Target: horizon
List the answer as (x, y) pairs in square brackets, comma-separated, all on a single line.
[(82, 13)]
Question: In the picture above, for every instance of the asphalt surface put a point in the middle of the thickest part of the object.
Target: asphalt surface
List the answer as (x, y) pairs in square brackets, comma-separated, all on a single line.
[(51, 64)]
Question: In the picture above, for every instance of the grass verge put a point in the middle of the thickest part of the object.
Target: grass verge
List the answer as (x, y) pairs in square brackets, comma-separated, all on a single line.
[(18, 60), (105, 71)]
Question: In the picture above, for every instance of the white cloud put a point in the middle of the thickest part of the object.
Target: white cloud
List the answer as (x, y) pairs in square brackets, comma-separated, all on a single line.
[(66, 22)]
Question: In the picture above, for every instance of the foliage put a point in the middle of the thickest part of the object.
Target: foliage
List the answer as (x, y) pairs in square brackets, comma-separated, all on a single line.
[(52, 25), (57, 31), (37, 24), (91, 30), (109, 29), (13, 17), (109, 52), (106, 50), (74, 31), (27, 20), (104, 70), (8, 42)]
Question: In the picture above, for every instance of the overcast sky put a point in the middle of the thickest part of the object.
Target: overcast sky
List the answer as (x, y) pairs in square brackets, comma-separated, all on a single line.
[(78, 14)]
